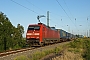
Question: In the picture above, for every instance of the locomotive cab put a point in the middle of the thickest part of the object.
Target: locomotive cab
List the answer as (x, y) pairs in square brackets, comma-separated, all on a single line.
[(34, 34)]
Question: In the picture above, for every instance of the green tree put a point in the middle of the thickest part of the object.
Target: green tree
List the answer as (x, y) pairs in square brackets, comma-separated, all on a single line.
[(10, 36), (5, 31)]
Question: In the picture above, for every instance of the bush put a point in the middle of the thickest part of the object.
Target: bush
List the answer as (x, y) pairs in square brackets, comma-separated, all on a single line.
[(86, 54), (76, 44)]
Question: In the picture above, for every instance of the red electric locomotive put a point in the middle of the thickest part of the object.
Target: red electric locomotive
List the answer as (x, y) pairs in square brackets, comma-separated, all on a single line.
[(40, 34)]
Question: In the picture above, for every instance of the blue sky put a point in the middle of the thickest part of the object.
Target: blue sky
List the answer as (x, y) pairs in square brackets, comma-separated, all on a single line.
[(25, 12)]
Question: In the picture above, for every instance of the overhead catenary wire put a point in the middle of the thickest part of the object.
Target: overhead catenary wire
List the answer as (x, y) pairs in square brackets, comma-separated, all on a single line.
[(68, 8), (24, 7), (66, 13), (63, 9), (38, 7), (34, 5), (43, 11), (27, 7)]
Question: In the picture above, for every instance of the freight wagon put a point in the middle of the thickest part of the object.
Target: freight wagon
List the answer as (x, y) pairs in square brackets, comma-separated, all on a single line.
[(62, 35), (65, 36)]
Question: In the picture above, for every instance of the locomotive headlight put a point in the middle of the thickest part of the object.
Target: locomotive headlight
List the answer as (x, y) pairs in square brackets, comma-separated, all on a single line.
[(28, 37), (32, 34), (29, 34), (36, 33)]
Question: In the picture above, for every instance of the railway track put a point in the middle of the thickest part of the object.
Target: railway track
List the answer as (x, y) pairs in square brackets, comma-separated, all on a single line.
[(27, 51), (14, 51), (6, 53)]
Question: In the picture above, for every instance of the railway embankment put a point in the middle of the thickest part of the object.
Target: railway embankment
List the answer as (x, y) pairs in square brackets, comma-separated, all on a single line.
[(47, 51), (34, 54), (76, 50)]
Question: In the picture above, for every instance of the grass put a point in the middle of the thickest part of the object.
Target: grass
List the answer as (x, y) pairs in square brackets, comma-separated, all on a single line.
[(39, 54), (22, 57), (79, 46)]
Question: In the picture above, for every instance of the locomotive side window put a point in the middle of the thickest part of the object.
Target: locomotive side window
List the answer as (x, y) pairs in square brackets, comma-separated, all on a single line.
[(34, 28)]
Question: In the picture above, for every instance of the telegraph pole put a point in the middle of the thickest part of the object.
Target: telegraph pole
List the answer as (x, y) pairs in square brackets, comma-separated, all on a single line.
[(47, 18), (87, 26)]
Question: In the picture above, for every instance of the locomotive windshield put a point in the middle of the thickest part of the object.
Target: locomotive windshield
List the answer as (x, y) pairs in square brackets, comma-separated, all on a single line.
[(34, 28)]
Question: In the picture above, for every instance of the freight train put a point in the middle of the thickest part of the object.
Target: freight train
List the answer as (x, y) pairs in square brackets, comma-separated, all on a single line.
[(40, 34)]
